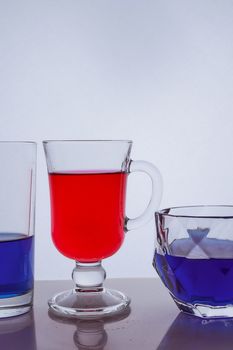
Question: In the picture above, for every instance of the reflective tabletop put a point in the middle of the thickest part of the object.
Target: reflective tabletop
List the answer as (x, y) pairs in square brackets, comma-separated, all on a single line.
[(153, 322)]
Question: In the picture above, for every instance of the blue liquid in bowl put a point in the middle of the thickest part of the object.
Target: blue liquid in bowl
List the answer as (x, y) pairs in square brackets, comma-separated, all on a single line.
[(207, 280)]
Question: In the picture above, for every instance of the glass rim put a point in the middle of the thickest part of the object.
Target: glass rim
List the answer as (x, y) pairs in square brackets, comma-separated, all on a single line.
[(164, 212), (19, 142), (86, 141)]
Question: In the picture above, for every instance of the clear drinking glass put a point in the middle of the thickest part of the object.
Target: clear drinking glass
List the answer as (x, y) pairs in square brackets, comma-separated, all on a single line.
[(194, 258), (17, 209), (87, 190)]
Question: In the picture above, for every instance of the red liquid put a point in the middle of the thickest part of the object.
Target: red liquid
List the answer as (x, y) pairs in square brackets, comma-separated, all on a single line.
[(88, 212)]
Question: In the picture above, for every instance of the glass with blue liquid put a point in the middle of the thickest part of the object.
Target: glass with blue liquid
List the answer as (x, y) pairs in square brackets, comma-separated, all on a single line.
[(194, 258), (17, 212)]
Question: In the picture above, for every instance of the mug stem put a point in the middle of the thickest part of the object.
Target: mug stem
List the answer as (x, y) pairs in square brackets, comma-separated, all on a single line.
[(89, 300), (88, 276)]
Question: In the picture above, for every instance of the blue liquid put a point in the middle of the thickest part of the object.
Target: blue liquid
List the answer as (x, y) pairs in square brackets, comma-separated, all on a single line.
[(204, 281), (16, 264)]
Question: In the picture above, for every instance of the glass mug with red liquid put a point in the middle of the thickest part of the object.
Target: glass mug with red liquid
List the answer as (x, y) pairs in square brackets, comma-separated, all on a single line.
[(87, 190)]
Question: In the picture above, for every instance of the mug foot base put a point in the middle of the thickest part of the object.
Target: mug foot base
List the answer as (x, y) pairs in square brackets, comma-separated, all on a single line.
[(15, 306), (92, 304), (205, 311)]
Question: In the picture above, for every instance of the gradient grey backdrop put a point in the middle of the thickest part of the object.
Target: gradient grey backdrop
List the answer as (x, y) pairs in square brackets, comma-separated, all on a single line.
[(157, 72)]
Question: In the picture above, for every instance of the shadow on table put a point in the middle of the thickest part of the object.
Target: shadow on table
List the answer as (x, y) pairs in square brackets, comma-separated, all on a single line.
[(18, 333), (192, 333), (89, 334)]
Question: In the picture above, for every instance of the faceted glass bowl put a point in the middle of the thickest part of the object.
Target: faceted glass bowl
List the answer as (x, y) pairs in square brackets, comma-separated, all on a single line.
[(194, 258)]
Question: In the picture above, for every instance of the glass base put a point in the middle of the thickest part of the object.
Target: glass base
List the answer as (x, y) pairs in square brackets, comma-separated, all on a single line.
[(16, 306), (205, 311), (91, 304)]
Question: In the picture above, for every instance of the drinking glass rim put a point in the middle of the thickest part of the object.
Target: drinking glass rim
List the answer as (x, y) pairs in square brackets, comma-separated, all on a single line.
[(88, 140), (167, 214), (21, 142)]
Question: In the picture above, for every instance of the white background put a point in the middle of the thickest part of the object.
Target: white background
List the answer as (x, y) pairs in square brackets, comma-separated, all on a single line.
[(157, 72)]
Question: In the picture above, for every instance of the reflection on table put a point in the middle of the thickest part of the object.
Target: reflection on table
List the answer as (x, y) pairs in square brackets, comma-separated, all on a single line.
[(192, 333), (18, 333), (89, 334)]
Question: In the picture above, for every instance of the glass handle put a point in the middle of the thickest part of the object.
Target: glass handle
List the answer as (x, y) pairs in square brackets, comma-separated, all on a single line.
[(156, 195)]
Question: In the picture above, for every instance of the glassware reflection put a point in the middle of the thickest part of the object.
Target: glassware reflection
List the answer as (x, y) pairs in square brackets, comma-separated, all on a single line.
[(89, 334), (190, 332), (18, 333)]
